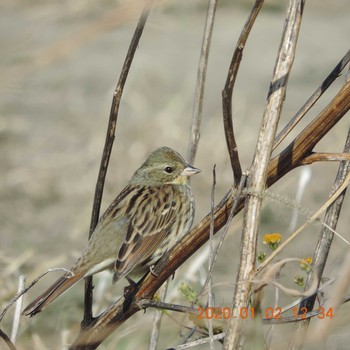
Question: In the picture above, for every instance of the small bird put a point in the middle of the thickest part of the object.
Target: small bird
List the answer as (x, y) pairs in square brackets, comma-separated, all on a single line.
[(146, 219)]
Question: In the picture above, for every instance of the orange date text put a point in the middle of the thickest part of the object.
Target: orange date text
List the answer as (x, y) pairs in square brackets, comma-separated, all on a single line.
[(249, 312)]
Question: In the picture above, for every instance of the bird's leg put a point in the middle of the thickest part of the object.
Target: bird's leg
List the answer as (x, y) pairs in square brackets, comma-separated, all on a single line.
[(132, 285), (131, 282)]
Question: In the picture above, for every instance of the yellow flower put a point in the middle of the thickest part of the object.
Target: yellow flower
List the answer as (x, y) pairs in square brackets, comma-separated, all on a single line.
[(308, 260), (305, 264), (272, 240)]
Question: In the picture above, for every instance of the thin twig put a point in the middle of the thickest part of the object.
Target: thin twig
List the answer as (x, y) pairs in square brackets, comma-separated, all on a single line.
[(325, 157), (157, 318), (288, 319), (7, 340), (146, 303), (200, 86), (322, 249), (228, 91), (110, 136), (270, 278), (17, 314), (36, 280), (200, 341), (312, 100), (211, 259)]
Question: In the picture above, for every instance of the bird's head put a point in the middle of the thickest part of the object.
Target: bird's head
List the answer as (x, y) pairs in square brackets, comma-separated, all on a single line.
[(163, 166)]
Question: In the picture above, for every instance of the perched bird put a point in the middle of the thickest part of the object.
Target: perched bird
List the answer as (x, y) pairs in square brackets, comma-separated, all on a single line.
[(146, 219)]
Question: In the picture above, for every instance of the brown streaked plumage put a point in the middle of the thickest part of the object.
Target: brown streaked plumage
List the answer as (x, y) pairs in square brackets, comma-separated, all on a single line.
[(151, 213)]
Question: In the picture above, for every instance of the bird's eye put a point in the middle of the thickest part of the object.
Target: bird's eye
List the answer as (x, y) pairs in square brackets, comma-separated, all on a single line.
[(168, 169)]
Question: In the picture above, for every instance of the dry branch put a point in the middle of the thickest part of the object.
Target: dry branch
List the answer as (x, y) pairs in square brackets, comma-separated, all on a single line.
[(110, 136), (157, 319), (259, 169), (201, 75), (228, 91), (325, 157), (7, 340), (211, 260)]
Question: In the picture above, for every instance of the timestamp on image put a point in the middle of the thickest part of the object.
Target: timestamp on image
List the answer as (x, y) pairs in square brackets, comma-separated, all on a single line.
[(249, 312)]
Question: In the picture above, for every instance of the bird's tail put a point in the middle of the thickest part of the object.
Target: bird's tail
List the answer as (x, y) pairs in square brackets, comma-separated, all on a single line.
[(52, 293)]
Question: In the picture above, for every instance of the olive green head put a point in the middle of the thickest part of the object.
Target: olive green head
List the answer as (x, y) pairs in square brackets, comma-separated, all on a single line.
[(163, 166)]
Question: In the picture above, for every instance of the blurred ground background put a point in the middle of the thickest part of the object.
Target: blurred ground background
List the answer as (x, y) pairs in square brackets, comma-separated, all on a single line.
[(59, 64)]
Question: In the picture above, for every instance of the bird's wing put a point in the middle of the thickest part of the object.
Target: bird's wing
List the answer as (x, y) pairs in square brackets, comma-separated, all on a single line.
[(152, 219)]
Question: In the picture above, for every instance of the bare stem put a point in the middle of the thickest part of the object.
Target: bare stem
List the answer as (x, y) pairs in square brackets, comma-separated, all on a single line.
[(157, 319), (325, 157), (17, 314), (201, 75), (7, 340), (211, 259), (228, 91), (110, 136), (259, 169)]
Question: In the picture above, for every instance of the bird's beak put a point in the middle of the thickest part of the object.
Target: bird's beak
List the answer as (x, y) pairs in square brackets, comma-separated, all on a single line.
[(190, 170)]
